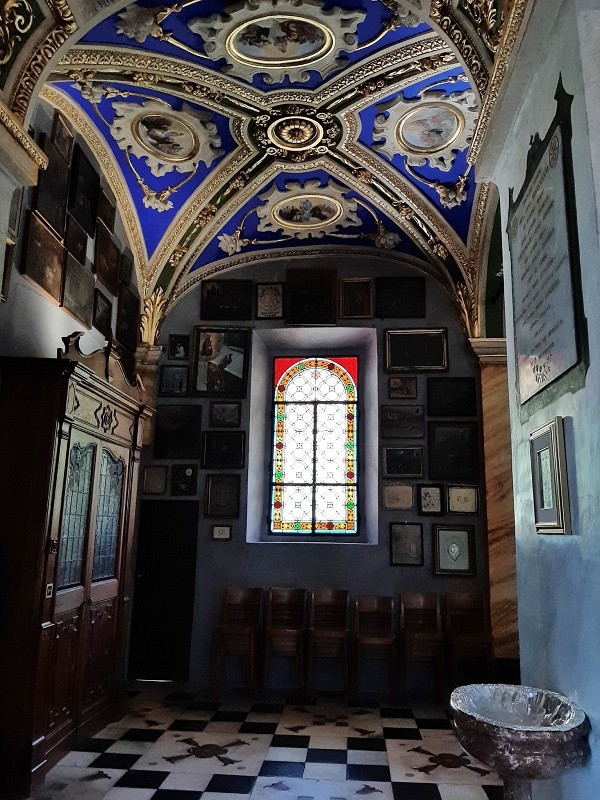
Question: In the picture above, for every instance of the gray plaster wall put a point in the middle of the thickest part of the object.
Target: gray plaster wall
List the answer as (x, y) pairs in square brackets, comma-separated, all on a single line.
[(360, 568), (558, 576)]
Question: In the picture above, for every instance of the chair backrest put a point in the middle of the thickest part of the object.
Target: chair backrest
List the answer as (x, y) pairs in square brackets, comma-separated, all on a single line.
[(329, 609), (466, 614), (374, 614), (241, 607), (420, 612), (285, 608)]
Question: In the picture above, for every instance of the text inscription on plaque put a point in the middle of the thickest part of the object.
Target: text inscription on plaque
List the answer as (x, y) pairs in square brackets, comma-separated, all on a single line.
[(545, 333)]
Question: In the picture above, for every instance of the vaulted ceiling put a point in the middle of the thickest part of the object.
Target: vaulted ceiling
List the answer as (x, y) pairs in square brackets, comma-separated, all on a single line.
[(232, 132)]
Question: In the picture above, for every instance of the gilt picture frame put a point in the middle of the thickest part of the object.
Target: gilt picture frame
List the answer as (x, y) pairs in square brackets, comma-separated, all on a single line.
[(220, 362), (416, 349)]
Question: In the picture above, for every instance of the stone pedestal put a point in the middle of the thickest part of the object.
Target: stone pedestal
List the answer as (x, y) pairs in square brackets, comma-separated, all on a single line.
[(499, 496)]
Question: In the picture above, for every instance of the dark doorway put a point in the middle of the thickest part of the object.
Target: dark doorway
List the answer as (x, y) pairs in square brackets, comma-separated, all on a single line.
[(163, 604)]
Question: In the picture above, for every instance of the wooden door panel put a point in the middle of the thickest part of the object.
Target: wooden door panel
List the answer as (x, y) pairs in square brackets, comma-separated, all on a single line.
[(63, 689), (99, 654)]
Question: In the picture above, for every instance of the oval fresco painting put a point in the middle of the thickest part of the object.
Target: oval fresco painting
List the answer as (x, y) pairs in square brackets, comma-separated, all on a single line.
[(307, 211), (429, 127), (165, 136), (280, 39)]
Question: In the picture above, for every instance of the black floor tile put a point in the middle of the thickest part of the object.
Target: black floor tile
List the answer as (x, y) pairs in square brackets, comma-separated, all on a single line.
[(267, 708), (94, 745), (231, 784), (115, 760), (397, 713), (367, 772), (326, 755), (176, 794), (354, 743), (187, 725), (142, 779), (258, 727), (204, 705), (141, 735), (494, 792), (282, 769), (415, 791), (401, 733), (178, 697), (434, 724), (229, 716), (287, 740), (130, 693)]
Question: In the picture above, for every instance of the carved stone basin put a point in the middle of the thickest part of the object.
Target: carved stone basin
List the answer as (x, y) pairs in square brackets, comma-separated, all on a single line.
[(522, 733)]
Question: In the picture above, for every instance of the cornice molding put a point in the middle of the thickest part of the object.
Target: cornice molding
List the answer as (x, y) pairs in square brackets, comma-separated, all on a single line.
[(12, 125), (489, 351)]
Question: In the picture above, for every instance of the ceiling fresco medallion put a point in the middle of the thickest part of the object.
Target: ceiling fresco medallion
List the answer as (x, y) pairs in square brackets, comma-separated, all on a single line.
[(306, 210), (279, 39), (295, 132), (431, 129), (167, 140)]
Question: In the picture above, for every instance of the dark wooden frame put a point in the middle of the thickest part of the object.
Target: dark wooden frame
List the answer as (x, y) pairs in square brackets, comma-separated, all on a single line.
[(127, 329), (389, 507), (71, 264), (215, 423), (235, 391), (106, 259), (366, 303), (76, 239), (437, 568), (394, 394), (32, 267), (192, 490), (237, 294), (157, 469), (388, 474), (282, 297), (310, 296), (107, 210), (456, 460), (394, 561), (475, 489), (100, 297), (424, 511), (452, 397), (231, 481), (189, 444), (62, 136), (165, 369), (84, 184), (220, 441), (51, 191), (393, 363), (173, 339), (400, 298), (401, 421)]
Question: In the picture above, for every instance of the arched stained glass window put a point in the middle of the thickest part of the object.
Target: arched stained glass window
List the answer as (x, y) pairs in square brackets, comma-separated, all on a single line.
[(314, 487)]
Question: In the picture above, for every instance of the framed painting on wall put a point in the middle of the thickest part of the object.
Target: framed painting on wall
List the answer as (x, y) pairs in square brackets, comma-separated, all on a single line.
[(551, 507), (402, 422), (402, 462), (226, 300), (184, 480), (454, 550), (76, 239), (174, 381), (310, 296), (400, 298), (451, 397), (406, 544), (62, 137), (84, 188), (220, 364), (269, 301), (222, 495), (179, 347), (402, 387), (463, 499), (416, 350), (356, 298), (398, 496), (51, 195), (223, 449), (225, 414), (430, 498), (155, 480), (43, 258), (453, 451), (128, 318), (107, 211), (106, 259), (102, 318), (178, 431), (78, 291)]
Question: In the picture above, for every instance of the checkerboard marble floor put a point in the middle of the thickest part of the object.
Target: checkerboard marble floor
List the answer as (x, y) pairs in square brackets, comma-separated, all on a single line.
[(181, 746)]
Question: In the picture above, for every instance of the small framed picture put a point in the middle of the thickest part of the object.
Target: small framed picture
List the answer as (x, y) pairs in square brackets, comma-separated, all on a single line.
[(453, 451), (76, 239), (125, 269), (179, 347), (400, 298), (51, 194), (184, 480), (155, 480), (225, 414), (78, 291), (454, 550), (451, 397), (43, 258), (463, 499), (223, 449), (225, 300), (221, 532), (269, 301), (62, 137), (356, 298), (416, 350), (106, 259), (128, 318), (402, 422), (9, 258), (310, 296), (549, 475), (178, 431), (222, 495), (402, 462), (430, 498), (174, 381), (102, 313), (406, 544), (398, 496), (401, 387), (84, 188), (14, 215), (107, 211), (220, 362)]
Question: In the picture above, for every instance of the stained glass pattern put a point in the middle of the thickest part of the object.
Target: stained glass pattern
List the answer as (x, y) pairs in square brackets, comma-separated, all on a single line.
[(108, 517), (314, 464), (75, 516)]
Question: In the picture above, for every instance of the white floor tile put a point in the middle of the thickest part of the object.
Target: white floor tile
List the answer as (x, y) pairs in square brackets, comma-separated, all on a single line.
[(325, 772)]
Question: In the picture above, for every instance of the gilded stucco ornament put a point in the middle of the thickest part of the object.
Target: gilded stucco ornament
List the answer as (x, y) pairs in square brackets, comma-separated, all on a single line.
[(16, 19), (429, 129), (295, 132), (279, 39), (167, 140), (152, 317), (306, 209), (487, 20)]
